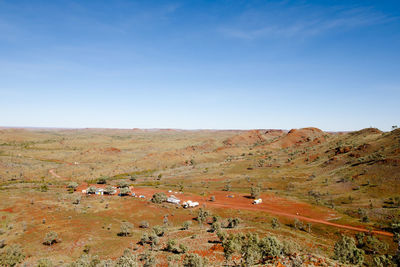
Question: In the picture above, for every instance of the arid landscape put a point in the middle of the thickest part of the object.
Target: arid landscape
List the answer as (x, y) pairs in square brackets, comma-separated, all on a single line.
[(328, 198), (175, 133)]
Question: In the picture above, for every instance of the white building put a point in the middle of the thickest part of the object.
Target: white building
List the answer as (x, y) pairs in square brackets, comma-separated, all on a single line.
[(173, 199)]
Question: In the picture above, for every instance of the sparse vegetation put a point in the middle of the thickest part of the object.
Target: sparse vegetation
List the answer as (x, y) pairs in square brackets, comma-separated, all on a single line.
[(126, 229)]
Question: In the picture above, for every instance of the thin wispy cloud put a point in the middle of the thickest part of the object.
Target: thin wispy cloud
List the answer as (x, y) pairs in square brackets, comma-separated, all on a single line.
[(301, 24)]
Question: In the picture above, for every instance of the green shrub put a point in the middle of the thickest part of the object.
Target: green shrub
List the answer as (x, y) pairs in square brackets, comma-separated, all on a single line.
[(86, 260), (102, 180), (108, 190), (123, 184), (43, 188), (51, 238), (44, 263), (250, 250), (124, 191), (148, 259), (202, 216), (375, 246), (194, 260), (159, 198), (290, 248), (127, 259), (126, 229), (171, 243), (215, 227), (72, 185), (383, 261), (159, 230), (91, 190), (346, 252), (186, 225), (275, 223), (11, 256), (270, 247), (144, 224), (255, 192), (233, 222), (182, 248)]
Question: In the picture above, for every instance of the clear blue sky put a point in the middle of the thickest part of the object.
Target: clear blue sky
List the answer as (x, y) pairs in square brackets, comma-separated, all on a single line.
[(200, 64)]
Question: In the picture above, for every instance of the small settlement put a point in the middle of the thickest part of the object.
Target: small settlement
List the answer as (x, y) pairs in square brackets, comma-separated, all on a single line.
[(127, 191)]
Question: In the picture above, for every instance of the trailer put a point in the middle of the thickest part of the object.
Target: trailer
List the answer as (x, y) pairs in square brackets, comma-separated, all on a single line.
[(173, 199)]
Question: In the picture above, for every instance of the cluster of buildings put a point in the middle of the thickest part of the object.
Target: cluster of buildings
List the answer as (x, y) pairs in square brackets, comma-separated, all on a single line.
[(111, 190), (186, 204)]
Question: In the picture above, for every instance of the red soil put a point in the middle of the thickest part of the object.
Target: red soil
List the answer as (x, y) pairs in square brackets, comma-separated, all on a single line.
[(272, 204), (299, 136), (247, 138), (10, 210)]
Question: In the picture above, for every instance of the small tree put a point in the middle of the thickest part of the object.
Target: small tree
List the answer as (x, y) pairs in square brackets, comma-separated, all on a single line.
[(194, 260), (383, 261), (102, 180), (154, 241), (231, 244), (250, 250), (255, 192), (275, 223), (227, 187), (144, 239), (375, 246), (122, 184), (126, 229), (212, 198), (127, 259), (148, 259), (171, 243), (159, 198), (346, 252), (144, 224), (182, 248), (124, 191), (215, 227), (202, 216), (180, 186), (44, 263), (298, 224), (109, 190), (159, 230), (11, 255), (76, 200), (91, 190), (51, 238), (72, 186), (270, 247), (233, 222), (43, 187), (186, 225)]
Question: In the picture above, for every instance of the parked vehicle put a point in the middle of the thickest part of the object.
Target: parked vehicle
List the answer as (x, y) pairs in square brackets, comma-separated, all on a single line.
[(257, 201)]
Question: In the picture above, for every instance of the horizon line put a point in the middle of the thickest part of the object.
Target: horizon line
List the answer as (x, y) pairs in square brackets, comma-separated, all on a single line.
[(175, 129)]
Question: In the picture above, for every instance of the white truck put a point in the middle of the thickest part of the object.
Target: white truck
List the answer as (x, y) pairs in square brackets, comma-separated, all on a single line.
[(190, 204), (257, 201)]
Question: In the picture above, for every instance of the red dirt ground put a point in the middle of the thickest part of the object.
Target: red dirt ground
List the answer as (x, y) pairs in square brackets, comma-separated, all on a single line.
[(298, 136), (271, 204)]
